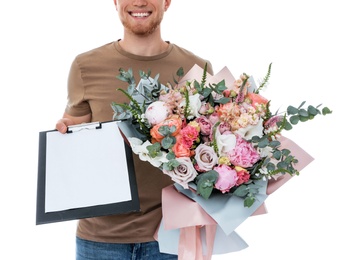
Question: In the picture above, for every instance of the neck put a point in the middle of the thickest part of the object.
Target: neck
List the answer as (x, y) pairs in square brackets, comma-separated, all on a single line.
[(148, 45)]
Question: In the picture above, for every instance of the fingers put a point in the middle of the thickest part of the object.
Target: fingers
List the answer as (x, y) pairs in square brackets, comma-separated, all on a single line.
[(62, 124)]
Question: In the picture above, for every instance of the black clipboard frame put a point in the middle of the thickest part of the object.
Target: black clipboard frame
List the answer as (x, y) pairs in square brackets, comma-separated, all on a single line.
[(43, 217)]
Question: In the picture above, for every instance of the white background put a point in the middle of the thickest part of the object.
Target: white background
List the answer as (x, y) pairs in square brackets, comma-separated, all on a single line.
[(313, 48)]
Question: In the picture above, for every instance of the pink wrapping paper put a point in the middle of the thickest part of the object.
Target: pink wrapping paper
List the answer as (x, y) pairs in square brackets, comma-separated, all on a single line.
[(180, 212), (303, 160)]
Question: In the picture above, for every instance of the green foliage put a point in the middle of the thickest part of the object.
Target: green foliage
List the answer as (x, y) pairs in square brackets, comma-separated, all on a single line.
[(180, 74), (247, 191), (206, 182), (285, 161), (154, 150), (187, 103), (171, 165), (203, 79), (301, 114), (265, 80)]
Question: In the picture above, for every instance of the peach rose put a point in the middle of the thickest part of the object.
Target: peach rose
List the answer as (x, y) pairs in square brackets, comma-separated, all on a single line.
[(180, 149), (256, 99)]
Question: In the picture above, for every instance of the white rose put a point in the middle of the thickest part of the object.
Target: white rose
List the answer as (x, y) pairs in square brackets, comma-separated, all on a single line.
[(194, 106), (205, 157), (225, 143), (251, 130)]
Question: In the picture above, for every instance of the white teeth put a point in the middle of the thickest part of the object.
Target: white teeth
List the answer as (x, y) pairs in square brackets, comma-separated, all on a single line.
[(140, 14)]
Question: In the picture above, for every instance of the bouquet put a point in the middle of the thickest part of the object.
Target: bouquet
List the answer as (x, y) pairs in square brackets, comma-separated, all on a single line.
[(210, 134)]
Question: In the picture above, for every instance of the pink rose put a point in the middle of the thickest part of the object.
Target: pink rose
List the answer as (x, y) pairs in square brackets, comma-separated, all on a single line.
[(224, 127), (244, 154), (213, 118), (205, 157), (227, 178), (206, 109), (184, 173), (205, 125)]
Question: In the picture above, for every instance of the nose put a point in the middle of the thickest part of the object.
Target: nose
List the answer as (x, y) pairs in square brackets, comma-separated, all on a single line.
[(140, 3)]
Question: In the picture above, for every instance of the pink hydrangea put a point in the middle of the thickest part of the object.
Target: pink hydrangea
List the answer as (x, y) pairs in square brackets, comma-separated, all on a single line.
[(244, 154), (227, 178)]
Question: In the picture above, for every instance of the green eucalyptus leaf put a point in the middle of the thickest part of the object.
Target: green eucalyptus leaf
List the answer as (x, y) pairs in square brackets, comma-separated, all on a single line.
[(180, 72), (172, 129), (198, 87), (168, 142), (277, 154), (312, 110), (292, 110), (303, 112), (220, 87), (270, 167), (304, 102), (282, 165), (164, 130), (294, 120), (154, 150), (255, 139), (223, 100), (285, 152), (206, 92), (170, 165), (263, 143), (304, 119), (287, 126), (206, 182), (326, 111), (274, 144), (241, 191), (249, 201), (170, 155)]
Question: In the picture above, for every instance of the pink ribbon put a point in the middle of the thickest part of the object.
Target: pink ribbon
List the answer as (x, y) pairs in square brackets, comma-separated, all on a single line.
[(190, 244), (180, 212)]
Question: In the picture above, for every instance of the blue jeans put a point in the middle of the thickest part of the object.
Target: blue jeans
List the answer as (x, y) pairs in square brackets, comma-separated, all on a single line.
[(90, 250)]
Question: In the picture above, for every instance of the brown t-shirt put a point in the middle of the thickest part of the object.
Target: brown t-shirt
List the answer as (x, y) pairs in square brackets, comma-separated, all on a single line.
[(92, 85)]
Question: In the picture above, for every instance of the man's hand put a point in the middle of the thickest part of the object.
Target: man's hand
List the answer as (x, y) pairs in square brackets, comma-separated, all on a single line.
[(68, 120)]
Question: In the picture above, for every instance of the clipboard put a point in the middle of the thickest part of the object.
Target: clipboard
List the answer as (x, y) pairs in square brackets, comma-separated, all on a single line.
[(87, 172)]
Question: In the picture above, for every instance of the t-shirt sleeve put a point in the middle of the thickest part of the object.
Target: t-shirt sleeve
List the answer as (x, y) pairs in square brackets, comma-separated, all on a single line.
[(77, 105)]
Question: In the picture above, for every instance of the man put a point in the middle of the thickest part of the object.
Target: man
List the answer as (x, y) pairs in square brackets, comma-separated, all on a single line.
[(92, 85)]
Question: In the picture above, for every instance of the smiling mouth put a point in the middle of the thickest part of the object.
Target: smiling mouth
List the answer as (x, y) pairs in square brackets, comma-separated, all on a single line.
[(140, 15)]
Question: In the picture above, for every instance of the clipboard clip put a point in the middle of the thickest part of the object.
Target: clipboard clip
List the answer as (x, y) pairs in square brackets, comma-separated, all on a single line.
[(84, 126)]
